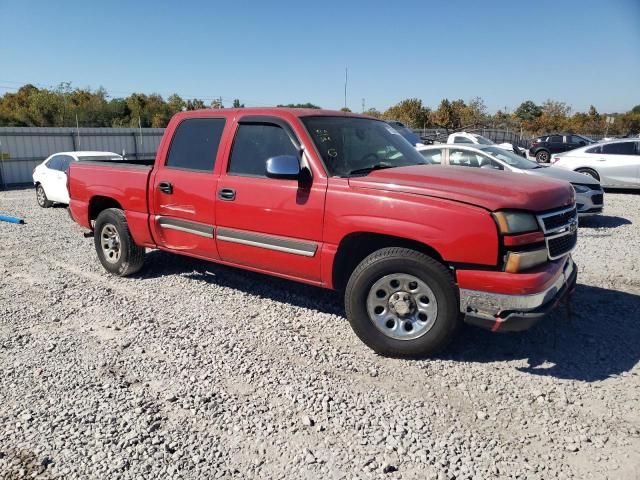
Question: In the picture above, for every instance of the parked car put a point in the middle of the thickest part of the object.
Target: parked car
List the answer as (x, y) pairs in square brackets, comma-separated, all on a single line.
[(589, 194), (50, 177), (339, 201), (476, 139), (543, 147), (613, 164), (409, 135)]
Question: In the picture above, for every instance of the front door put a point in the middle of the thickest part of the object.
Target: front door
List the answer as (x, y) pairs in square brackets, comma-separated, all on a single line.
[(184, 189), (268, 224)]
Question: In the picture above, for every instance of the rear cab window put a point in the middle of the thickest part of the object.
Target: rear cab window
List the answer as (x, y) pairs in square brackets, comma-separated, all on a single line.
[(195, 144)]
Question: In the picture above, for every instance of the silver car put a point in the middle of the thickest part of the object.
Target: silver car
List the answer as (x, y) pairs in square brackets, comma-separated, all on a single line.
[(589, 194), (613, 164)]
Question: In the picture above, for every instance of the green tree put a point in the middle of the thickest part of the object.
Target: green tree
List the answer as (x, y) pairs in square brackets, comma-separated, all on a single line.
[(237, 104), (372, 112), (527, 111), (195, 104), (411, 112)]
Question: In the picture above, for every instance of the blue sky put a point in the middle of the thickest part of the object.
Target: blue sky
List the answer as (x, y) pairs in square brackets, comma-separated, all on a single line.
[(264, 53)]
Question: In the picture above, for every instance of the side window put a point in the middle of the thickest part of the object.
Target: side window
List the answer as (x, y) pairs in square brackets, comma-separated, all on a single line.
[(464, 158), (577, 140), (555, 139), (55, 162), (459, 139), (433, 156), (65, 161), (195, 144), (254, 144), (621, 148), (597, 149)]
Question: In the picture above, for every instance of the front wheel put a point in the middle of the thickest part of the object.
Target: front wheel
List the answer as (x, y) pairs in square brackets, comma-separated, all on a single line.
[(402, 303), (115, 247)]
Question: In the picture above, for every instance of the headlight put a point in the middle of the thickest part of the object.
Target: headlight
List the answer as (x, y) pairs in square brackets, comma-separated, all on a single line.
[(581, 188), (515, 222), (519, 261)]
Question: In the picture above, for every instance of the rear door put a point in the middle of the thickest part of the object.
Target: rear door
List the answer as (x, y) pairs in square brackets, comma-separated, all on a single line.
[(618, 164), (556, 144), (184, 189), (269, 224), (56, 178)]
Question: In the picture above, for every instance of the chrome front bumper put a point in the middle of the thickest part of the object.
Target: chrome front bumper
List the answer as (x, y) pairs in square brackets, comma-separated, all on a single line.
[(497, 311)]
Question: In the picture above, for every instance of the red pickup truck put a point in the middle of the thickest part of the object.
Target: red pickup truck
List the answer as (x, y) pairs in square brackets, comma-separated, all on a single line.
[(340, 201)]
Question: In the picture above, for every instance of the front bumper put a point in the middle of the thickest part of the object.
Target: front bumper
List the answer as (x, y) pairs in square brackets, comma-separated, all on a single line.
[(515, 312), (589, 203)]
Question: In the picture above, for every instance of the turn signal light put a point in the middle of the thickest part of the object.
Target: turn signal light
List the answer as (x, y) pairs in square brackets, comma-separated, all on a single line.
[(519, 261)]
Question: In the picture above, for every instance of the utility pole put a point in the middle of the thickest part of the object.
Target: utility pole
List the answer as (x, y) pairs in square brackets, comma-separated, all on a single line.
[(363, 106), (346, 78)]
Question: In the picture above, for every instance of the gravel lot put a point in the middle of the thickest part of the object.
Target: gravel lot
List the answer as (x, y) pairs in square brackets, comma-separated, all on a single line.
[(193, 370)]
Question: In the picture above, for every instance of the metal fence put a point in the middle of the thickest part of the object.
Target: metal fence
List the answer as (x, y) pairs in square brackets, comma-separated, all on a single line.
[(22, 148)]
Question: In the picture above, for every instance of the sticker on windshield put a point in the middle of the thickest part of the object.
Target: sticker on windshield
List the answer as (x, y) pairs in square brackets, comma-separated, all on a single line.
[(390, 129)]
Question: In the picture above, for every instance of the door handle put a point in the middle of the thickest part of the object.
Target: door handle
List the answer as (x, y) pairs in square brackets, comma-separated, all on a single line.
[(165, 187), (227, 194), (602, 159)]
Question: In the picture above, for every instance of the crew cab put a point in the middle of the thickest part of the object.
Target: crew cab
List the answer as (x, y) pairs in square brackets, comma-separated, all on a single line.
[(340, 201)]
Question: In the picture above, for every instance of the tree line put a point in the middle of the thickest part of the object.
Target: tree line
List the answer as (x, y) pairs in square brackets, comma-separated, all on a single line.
[(67, 106)]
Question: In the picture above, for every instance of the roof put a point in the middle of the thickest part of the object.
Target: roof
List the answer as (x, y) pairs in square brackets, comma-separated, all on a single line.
[(86, 153), (295, 112)]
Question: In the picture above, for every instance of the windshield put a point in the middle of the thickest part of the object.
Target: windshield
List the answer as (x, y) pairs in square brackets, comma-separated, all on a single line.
[(350, 146), (99, 158), (483, 140), (411, 137), (510, 158)]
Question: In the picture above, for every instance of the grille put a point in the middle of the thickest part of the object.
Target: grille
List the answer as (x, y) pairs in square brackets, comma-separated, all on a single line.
[(597, 199), (561, 219), (561, 245)]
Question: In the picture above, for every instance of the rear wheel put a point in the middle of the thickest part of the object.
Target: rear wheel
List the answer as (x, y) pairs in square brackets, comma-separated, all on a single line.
[(403, 303), (543, 156), (115, 247), (590, 172), (41, 197)]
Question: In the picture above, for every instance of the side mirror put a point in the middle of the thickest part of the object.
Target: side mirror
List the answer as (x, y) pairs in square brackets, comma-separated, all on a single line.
[(283, 166)]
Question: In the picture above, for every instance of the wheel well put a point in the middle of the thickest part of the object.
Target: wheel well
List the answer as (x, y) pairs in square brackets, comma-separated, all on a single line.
[(98, 204), (584, 169), (355, 247)]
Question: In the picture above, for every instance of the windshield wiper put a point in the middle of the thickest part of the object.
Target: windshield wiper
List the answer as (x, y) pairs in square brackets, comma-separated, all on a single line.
[(377, 166)]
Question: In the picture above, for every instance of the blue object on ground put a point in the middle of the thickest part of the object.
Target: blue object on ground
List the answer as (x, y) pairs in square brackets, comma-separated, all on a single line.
[(7, 218)]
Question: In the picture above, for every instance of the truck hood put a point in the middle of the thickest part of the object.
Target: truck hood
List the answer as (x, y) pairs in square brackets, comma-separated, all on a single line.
[(493, 190), (562, 174)]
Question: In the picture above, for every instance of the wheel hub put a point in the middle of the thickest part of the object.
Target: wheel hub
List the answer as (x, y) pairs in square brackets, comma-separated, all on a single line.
[(401, 304)]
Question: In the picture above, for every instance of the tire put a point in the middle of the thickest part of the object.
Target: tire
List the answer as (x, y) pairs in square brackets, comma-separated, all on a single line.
[(374, 276), (543, 156), (589, 171), (114, 245), (41, 197)]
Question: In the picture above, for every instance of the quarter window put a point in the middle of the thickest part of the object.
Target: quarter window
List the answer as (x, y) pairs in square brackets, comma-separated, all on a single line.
[(621, 148), (254, 144), (195, 144)]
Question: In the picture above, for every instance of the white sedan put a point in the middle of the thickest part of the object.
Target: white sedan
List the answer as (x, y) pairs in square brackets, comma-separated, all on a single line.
[(50, 177), (613, 164)]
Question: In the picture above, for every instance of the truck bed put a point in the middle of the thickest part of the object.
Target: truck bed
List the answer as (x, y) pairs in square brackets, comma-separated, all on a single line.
[(126, 181)]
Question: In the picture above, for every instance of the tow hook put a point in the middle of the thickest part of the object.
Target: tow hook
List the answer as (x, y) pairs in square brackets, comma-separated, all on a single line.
[(88, 234)]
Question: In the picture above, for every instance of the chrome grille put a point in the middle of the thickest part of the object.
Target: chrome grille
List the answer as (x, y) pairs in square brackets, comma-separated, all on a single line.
[(560, 231)]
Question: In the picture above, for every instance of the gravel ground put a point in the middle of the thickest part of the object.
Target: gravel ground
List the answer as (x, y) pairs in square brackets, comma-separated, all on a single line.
[(193, 370)]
